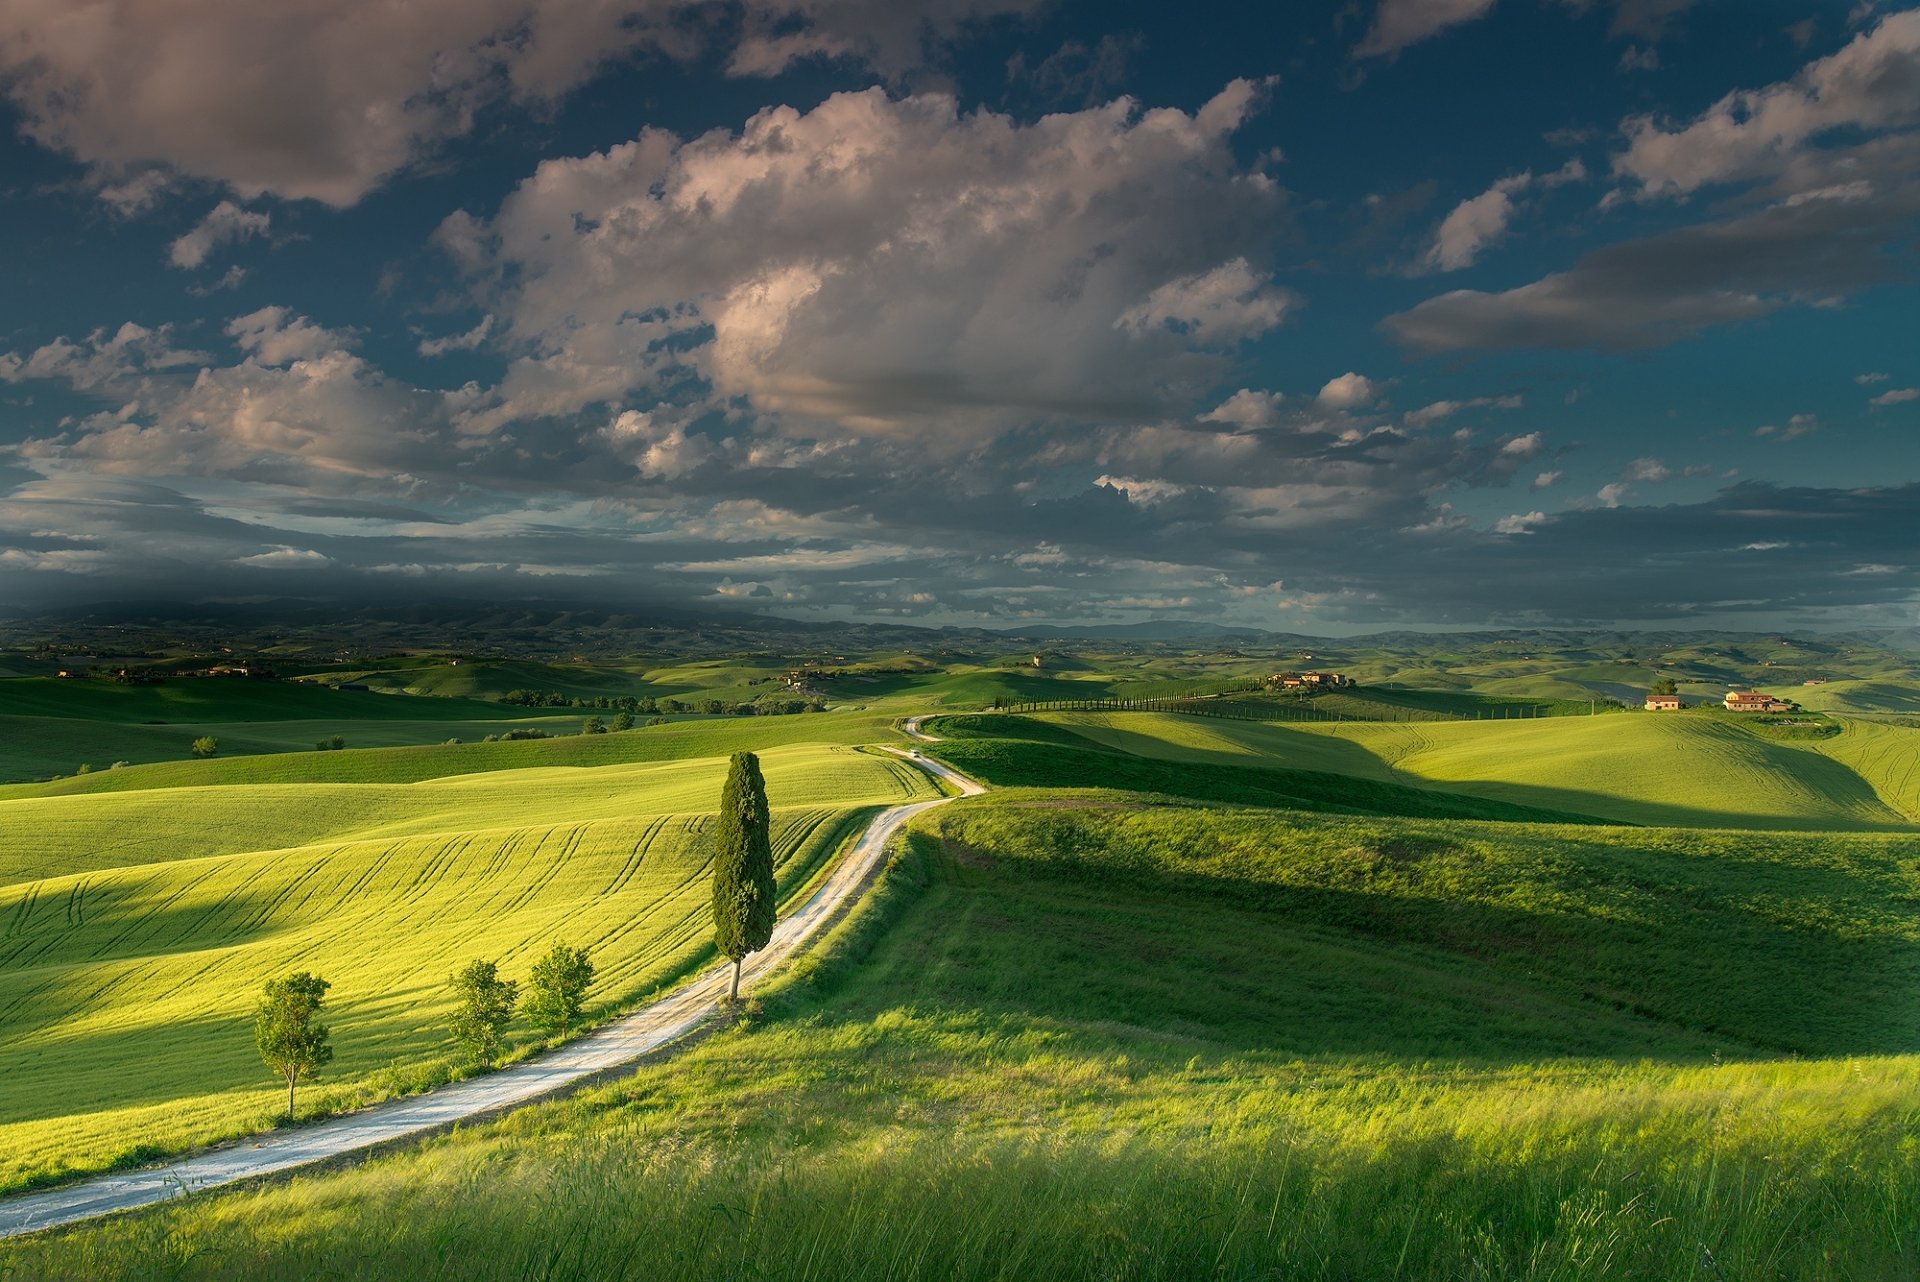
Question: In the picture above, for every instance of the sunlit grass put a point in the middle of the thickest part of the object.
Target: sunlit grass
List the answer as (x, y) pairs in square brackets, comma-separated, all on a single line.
[(1082, 1039)]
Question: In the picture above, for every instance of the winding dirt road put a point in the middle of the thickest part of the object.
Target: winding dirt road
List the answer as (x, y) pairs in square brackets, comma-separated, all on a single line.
[(621, 1042)]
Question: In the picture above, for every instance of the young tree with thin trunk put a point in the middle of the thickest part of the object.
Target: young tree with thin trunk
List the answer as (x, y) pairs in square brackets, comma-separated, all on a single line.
[(486, 1007), (287, 1029), (743, 889), (557, 990)]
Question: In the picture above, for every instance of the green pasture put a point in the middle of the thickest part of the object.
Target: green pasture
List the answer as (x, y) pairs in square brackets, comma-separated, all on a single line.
[(126, 992), (1077, 1037), (1643, 768)]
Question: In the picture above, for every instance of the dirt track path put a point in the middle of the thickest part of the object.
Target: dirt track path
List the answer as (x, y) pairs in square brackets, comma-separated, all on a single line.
[(618, 1043)]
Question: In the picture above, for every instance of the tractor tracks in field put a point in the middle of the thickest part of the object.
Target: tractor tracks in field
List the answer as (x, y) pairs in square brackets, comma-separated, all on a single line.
[(614, 1046)]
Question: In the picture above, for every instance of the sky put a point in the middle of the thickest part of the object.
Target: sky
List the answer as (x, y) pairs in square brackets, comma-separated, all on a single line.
[(1315, 317)]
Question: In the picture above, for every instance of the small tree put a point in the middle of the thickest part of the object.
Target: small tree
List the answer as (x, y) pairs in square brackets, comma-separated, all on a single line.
[(1665, 685), (287, 1029), (205, 746), (486, 1005), (594, 725), (743, 888), (557, 990), (623, 722)]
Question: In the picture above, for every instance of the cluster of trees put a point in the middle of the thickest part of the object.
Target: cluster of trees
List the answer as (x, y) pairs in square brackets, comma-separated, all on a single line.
[(335, 744), (1665, 685), (631, 705), (556, 995), (295, 1044), (205, 746)]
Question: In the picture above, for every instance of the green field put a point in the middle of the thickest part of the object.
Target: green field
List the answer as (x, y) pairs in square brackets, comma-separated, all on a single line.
[(1428, 994), (140, 925), (1686, 770), (1087, 1039)]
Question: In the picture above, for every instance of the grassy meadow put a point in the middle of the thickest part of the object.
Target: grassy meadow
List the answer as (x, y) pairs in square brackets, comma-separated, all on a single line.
[(1693, 770), (1424, 994), (139, 926), (1076, 1036)]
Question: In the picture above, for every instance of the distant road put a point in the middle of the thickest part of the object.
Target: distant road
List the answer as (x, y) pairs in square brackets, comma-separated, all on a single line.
[(620, 1042)]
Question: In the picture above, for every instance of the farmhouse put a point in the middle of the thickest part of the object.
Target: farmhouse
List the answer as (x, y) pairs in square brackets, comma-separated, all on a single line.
[(1301, 680), (1663, 703), (1752, 701)]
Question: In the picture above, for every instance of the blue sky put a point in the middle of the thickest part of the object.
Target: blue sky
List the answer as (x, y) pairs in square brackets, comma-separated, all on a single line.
[(1317, 317)]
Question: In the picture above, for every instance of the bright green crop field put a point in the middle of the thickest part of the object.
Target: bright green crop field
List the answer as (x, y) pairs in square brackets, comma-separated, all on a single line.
[(140, 925), (1077, 1037)]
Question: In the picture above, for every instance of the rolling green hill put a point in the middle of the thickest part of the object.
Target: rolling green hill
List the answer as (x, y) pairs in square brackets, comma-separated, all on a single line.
[(1088, 1041), (126, 991), (53, 836), (678, 739), (1692, 771)]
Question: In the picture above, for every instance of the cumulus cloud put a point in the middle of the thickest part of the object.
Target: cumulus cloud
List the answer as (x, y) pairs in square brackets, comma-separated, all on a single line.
[(1521, 523), (1898, 396), (225, 222), (1479, 222), (325, 99), (102, 362), (1247, 408), (1227, 303), (1872, 84), (1348, 391), (883, 264)]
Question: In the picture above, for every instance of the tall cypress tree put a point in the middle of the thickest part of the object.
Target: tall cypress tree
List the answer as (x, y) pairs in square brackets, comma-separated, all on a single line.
[(743, 889)]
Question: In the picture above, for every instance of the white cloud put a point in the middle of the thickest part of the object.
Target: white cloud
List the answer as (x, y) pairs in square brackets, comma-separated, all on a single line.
[(1483, 220), (102, 362), (1521, 523), (1474, 224), (1441, 410), (1650, 470), (463, 342), (1399, 23), (1873, 83), (1348, 391), (1229, 302), (276, 336), (887, 264), (325, 99), (1247, 408), (1547, 480), (1614, 494), (286, 558), (1867, 380), (1898, 396), (224, 223)]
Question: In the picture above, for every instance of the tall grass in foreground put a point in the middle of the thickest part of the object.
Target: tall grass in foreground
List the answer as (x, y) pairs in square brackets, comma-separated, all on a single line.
[(1456, 1190)]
